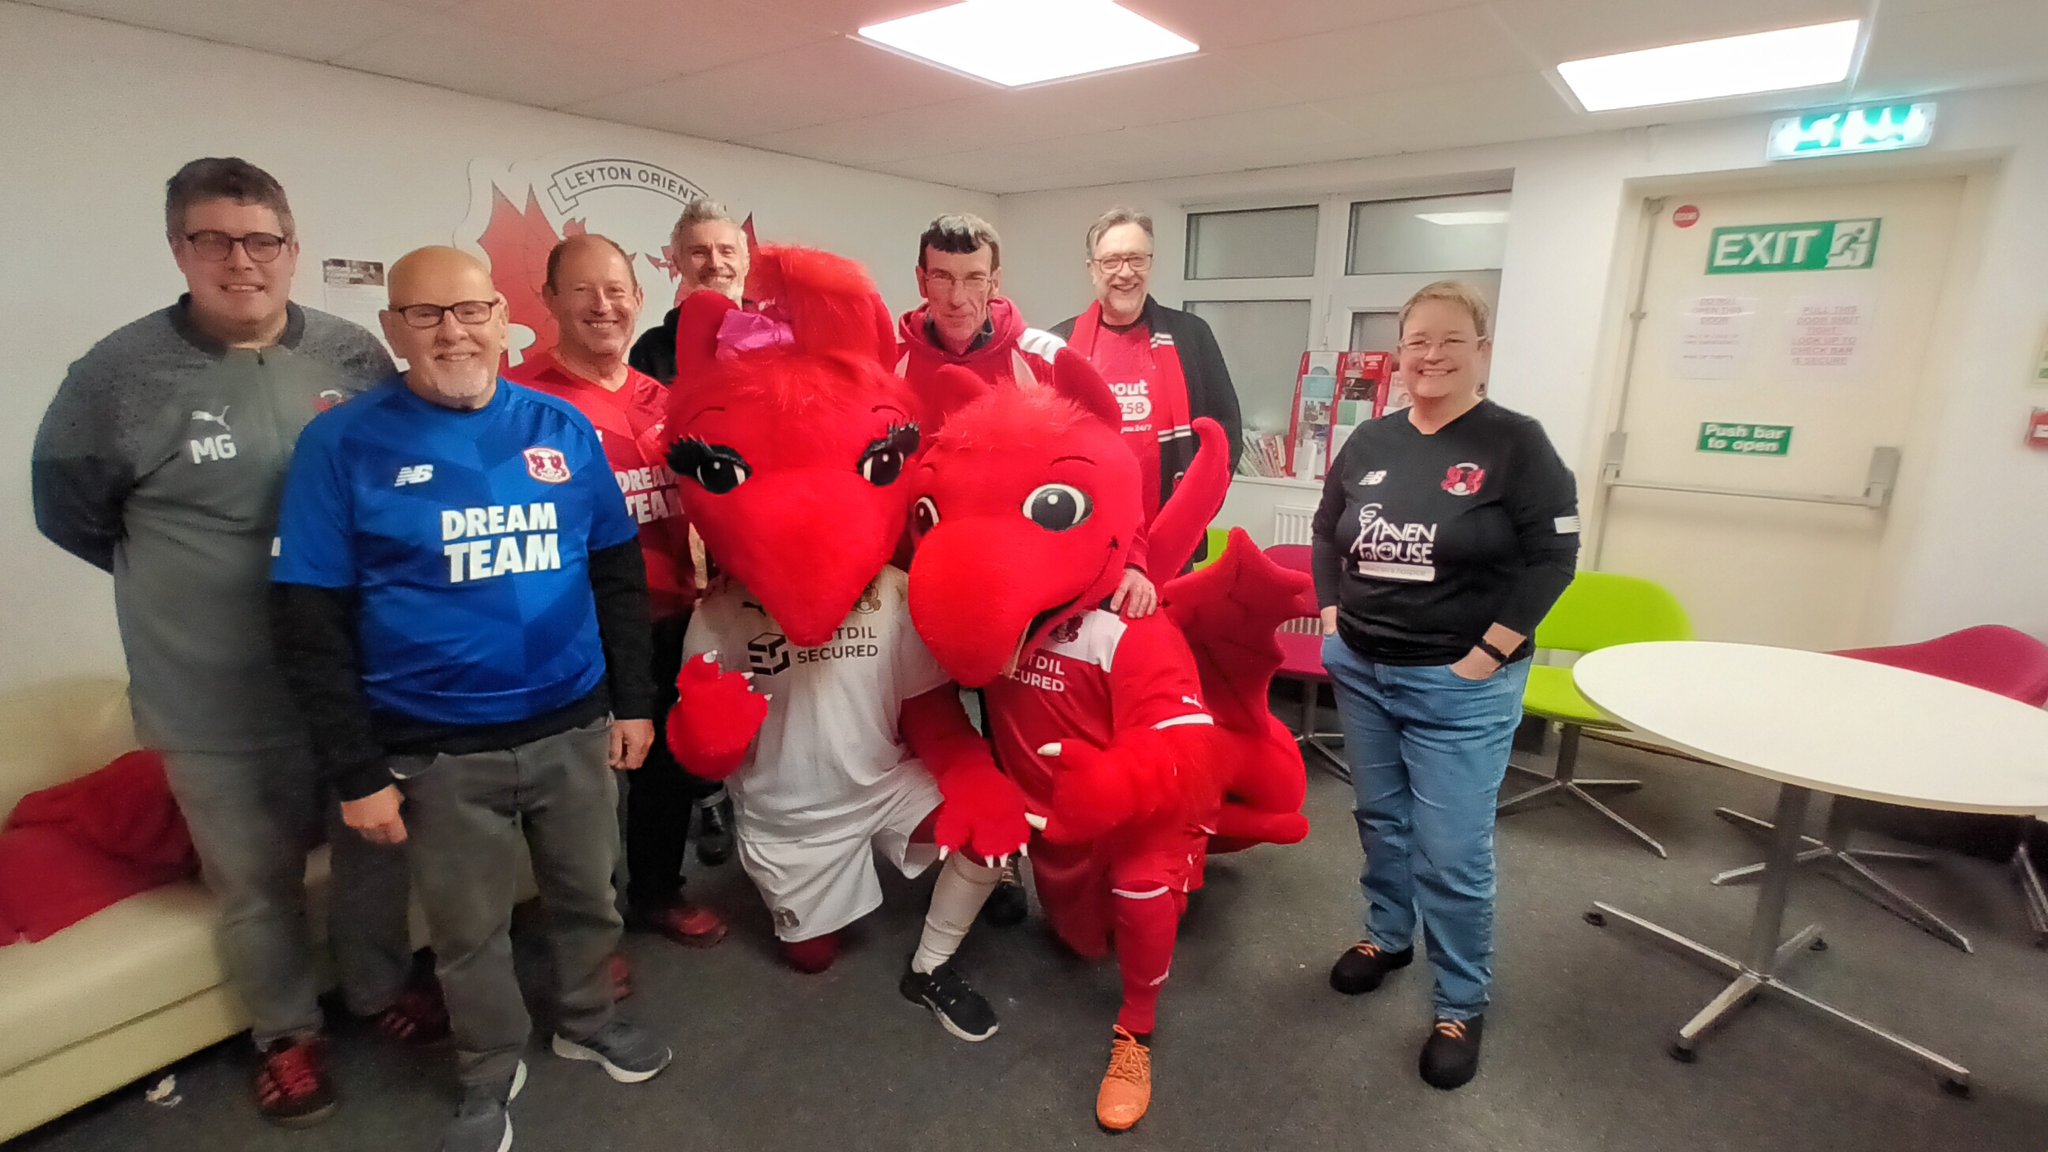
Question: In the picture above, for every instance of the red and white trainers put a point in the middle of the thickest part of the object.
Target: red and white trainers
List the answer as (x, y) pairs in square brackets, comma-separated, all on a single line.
[(292, 1087)]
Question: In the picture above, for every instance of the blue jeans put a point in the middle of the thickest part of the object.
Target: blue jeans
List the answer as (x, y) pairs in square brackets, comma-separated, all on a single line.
[(1428, 750)]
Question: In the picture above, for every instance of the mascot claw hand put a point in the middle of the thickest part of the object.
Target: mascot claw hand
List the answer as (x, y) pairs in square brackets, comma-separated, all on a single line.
[(716, 717), (1095, 794), (983, 814)]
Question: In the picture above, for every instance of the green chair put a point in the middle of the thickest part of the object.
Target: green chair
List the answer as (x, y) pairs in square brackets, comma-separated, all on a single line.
[(1218, 540), (1599, 610)]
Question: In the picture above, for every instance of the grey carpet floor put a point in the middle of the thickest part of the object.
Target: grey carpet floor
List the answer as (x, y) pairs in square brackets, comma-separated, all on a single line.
[(1254, 1050)]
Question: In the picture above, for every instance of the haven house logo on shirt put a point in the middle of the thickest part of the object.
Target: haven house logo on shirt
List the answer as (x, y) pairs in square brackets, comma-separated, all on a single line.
[(1391, 551)]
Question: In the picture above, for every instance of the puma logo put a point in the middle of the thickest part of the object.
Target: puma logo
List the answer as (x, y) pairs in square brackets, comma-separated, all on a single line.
[(210, 418)]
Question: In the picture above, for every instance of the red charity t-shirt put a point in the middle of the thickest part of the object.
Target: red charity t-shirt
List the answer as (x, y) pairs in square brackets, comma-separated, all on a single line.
[(1124, 358), (629, 423)]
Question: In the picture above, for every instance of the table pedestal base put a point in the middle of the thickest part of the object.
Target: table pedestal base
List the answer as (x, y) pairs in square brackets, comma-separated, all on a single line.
[(1769, 952), (1831, 848)]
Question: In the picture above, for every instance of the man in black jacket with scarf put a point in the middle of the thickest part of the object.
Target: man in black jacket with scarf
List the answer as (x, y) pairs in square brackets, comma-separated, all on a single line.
[(1162, 363)]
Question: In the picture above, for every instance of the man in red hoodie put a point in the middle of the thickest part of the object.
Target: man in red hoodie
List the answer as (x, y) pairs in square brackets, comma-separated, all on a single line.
[(966, 321)]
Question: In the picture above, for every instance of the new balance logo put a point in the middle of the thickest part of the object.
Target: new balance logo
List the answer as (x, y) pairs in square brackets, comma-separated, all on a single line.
[(413, 474)]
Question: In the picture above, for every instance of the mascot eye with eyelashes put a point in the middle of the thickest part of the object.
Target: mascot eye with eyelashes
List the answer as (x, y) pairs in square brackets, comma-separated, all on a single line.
[(882, 463), (1057, 507), (716, 468)]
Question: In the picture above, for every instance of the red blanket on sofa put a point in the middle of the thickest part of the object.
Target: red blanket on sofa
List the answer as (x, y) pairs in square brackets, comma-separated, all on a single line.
[(69, 851)]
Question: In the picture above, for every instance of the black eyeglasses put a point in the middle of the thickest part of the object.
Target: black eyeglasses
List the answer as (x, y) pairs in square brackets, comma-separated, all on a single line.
[(262, 247), (429, 315)]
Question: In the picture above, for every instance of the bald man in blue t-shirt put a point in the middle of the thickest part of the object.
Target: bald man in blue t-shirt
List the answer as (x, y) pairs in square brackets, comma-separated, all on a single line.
[(461, 609)]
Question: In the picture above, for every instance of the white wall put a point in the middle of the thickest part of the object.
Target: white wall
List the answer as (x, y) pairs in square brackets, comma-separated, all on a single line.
[(98, 115), (1975, 509)]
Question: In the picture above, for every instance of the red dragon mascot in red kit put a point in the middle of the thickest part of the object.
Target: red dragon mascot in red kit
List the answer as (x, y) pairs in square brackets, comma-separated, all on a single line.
[(805, 686), (1140, 745)]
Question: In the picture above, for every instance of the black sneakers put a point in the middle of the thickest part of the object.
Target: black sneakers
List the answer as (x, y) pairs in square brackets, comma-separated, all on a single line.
[(714, 830), (960, 1009), (1007, 906), (1363, 965), (1450, 1057)]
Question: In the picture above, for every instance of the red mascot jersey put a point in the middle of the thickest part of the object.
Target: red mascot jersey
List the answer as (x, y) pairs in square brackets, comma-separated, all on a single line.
[(628, 423), (1094, 675)]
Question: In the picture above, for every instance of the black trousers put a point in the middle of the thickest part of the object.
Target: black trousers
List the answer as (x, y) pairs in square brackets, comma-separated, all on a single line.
[(661, 798)]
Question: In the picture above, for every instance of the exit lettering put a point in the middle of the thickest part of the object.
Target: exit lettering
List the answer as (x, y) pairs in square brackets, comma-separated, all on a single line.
[(1815, 246)]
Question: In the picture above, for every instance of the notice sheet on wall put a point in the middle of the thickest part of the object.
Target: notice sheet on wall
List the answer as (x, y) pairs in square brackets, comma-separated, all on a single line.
[(1826, 336), (1713, 336)]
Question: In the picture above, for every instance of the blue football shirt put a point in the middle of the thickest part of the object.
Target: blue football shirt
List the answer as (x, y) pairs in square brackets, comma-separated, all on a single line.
[(467, 536)]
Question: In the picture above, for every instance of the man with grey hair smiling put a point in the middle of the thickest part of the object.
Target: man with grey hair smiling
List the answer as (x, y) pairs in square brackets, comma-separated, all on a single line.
[(1162, 363), (710, 251)]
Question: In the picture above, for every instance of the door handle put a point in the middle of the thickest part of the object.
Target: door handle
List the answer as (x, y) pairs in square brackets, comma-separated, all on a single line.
[(1878, 483)]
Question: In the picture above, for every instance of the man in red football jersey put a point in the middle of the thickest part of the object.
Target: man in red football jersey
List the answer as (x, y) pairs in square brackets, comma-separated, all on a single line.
[(596, 302)]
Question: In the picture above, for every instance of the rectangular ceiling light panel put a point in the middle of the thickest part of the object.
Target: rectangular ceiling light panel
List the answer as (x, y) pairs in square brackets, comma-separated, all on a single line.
[(1713, 69), (1017, 42)]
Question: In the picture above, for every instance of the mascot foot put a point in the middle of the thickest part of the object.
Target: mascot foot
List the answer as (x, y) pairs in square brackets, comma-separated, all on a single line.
[(812, 956), (1007, 906), (1127, 1086)]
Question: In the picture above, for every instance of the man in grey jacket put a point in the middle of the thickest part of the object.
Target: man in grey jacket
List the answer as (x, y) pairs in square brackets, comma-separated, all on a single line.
[(160, 461)]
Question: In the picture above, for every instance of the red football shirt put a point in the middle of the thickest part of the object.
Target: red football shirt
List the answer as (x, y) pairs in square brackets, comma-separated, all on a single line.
[(1094, 675), (628, 424)]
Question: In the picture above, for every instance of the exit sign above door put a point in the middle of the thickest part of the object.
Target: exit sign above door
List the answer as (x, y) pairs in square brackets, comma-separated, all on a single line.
[(1815, 246)]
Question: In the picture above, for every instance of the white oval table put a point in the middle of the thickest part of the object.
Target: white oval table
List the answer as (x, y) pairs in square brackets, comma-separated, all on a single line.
[(1813, 722)]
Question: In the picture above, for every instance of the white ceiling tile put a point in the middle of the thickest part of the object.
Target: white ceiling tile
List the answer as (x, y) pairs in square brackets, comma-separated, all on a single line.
[(1234, 23), (816, 83), (1979, 46), (850, 16), (1066, 162), (307, 29), (1560, 30), (687, 36), (496, 62), (1460, 44)]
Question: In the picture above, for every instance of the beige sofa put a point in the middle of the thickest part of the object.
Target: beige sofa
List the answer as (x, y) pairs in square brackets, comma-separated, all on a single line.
[(125, 992)]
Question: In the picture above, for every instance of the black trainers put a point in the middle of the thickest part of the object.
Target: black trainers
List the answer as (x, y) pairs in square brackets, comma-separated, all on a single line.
[(1450, 1057), (292, 1087), (1363, 965), (625, 1052), (1007, 906), (482, 1121), (960, 1009), (714, 831)]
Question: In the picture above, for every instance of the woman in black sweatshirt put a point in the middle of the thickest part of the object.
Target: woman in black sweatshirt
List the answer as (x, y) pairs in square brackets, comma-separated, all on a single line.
[(1445, 533)]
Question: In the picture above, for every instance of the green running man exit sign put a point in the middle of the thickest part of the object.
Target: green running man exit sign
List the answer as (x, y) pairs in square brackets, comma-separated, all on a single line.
[(1815, 246)]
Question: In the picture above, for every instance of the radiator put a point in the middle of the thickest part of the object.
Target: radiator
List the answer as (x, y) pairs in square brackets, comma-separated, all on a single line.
[(1291, 525)]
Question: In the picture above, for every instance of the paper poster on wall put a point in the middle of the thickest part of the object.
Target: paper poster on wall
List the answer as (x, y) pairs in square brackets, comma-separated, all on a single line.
[(1713, 336), (354, 291), (1826, 336), (2041, 360)]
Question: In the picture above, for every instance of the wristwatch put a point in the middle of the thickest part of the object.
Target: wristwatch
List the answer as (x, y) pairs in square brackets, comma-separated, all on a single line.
[(1499, 657)]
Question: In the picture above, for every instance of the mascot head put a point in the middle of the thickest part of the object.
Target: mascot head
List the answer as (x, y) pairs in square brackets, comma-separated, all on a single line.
[(1025, 507), (793, 437)]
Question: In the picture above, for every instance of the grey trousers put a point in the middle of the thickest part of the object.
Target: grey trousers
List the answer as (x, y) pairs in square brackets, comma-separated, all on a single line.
[(254, 816), (465, 816)]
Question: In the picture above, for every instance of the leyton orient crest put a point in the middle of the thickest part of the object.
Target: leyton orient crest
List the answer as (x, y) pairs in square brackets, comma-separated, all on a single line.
[(517, 213)]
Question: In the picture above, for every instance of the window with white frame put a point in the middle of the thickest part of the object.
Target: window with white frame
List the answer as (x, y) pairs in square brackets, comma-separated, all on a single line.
[(1276, 280)]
